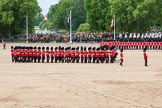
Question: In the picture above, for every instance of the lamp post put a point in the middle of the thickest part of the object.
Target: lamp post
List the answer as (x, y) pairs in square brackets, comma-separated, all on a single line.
[(70, 28), (27, 27)]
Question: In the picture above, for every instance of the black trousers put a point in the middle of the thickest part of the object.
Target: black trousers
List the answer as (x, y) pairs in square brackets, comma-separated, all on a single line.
[(48, 58), (146, 62), (39, 59), (94, 59), (121, 62), (43, 58), (89, 59)]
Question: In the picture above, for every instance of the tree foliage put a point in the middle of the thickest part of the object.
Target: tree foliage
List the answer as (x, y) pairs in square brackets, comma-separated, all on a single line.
[(59, 13), (13, 11), (131, 15)]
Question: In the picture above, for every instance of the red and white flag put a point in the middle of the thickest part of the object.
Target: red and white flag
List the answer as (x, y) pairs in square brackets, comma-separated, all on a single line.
[(112, 24)]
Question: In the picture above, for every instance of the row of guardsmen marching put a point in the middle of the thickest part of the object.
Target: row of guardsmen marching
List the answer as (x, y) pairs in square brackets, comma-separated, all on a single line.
[(22, 54), (134, 45)]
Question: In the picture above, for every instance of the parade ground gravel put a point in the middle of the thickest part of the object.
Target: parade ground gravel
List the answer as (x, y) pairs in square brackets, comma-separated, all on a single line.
[(62, 85)]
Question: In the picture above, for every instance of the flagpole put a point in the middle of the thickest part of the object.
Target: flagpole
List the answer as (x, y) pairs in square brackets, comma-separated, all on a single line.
[(70, 27), (114, 28)]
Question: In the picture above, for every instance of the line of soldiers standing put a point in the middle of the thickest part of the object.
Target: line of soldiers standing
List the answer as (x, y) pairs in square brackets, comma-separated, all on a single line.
[(22, 54)]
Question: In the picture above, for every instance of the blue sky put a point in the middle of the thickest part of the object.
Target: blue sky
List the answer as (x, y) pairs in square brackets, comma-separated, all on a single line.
[(45, 5)]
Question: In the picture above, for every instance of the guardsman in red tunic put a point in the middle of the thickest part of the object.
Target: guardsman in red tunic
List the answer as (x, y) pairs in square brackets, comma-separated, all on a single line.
[(62, 54), (56, 54), (106, 54), (112, 54), (35, 54), (26, 54), (18, 53), (89, 55), (81, 54), (98, 55), (12, 53), (121, 57), (4, 44), (72, 55), (43, 54), (77, 55), (15, 54), (94, 54), (69, 54), (158, 45), (51, 54), (102, 55), (59, 54), (145, 56), (47, 54), (39, 54), (23, 54), (66, 55), (30, 54), (85, 55)]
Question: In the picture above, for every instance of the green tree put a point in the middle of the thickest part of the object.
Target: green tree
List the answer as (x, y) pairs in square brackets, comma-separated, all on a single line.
[(98, 14), (12, 12), (39, 18), (59, 13)]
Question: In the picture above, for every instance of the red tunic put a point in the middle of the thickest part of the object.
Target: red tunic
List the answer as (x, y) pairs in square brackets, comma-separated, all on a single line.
[(93, 53), (145, 55), (47, 53), (97, 54), (12, 52), (121, 56), (85, 53), (62, 53), (38, 53), (102, 54), (76, 54), (35, 53), (89, 53), (15, 53), (51, 53), (106, 53), (72, 54), (22, 53), (30, 53), (43, 53), (81, 54)]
